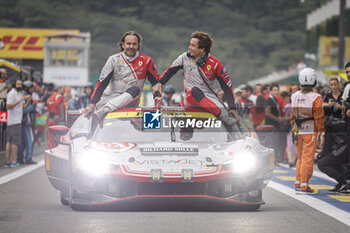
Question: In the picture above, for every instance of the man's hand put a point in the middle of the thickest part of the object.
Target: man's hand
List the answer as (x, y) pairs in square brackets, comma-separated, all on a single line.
[(281, 120), (234, 113), (158, 101), (348, 113), (331, 103), (89, 109), (25, 97), (338, 106), (157, 94)]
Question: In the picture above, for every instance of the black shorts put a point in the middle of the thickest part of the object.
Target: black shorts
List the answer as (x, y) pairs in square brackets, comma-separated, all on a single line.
[(14, 134)]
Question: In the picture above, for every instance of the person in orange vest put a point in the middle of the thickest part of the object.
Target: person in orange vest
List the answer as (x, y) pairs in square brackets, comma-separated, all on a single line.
[(307, 115)]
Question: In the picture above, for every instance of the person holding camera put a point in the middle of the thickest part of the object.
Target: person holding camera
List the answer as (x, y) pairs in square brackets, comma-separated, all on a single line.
[(28, 122), (332, 100), (346, 105)]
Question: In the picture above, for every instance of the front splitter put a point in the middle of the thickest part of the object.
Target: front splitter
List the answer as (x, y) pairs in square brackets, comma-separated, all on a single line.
[(169, 203)]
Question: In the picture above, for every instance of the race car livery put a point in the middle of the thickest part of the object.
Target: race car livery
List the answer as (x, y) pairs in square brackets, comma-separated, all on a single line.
[(126, 160)]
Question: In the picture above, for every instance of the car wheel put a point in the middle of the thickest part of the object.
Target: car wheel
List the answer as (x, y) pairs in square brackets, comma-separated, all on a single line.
[(64, 199), (78, 200), (252, 207)]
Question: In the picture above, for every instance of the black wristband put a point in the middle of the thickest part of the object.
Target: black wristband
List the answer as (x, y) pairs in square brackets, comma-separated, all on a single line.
[(156, 94)]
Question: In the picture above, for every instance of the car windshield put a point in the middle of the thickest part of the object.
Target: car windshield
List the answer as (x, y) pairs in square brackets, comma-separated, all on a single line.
[(132, 130)]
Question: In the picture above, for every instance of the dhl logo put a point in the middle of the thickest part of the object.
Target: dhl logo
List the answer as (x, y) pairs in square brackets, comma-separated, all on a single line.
[(26, 43), (15, 42)]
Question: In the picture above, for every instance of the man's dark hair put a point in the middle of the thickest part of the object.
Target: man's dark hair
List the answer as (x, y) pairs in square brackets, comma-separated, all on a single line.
[(285, 94), (347, 64), (17, 79), (265, 87), (51, 87), (260, 104), (274, 85), (249, 88), (204, 40), (130, 33)]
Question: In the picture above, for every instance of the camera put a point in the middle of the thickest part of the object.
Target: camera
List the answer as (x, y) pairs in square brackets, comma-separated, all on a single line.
[(347, 106)]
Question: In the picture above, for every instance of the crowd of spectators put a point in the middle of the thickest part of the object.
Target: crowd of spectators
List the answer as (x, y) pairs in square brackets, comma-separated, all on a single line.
[(31, 107)]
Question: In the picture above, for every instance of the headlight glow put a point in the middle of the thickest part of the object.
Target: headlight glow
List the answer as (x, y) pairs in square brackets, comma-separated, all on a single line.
[(93, 163), (242, 162)]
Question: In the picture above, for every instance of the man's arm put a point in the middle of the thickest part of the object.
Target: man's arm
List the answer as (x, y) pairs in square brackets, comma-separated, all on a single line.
[(292, 118), (26, 104), (102, 83), (153, 78), (10, 105), (3, 89), (172, 69), (105, 77), (269, 115), (318, 114), (226, 85)]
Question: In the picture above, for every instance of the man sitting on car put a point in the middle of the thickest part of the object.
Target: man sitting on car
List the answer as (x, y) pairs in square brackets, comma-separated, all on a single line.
[(122, 78)]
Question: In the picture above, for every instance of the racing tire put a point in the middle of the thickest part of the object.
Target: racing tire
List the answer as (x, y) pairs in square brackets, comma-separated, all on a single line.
[(254, 198), (251, 207), (78, 201)]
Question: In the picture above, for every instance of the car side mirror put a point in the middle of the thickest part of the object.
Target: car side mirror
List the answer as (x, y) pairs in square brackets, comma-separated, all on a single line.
[(60, 132), (264, 133), (264, 128)]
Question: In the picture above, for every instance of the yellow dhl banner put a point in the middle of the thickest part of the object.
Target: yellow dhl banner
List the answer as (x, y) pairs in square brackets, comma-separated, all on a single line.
[(26, 43), (339, 73), (328, 50)]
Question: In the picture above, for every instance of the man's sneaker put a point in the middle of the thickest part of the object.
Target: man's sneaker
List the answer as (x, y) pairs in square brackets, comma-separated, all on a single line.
[(345, 190), (12, 165), (29, 162), (101, 114), (7, 165), (345, 184), (297, 188), (336, 188), (20, 161), (308, 190)]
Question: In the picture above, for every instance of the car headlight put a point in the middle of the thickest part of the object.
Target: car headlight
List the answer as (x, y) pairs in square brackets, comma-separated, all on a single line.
[(242, 162), (93, 162)]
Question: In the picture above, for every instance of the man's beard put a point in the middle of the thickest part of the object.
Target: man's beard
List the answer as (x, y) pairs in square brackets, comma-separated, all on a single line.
[(19, 88), (130, 52)]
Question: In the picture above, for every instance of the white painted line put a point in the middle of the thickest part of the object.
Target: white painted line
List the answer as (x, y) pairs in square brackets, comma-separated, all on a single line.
[(313, 202), (20, 172)]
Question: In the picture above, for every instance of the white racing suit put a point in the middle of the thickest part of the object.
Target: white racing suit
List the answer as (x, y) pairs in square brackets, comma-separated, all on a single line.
[(198, 92), (121, 81)]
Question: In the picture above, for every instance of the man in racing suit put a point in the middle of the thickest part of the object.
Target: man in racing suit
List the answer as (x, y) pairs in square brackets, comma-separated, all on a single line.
[(201, 70), (307, 114), (122, 78)]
